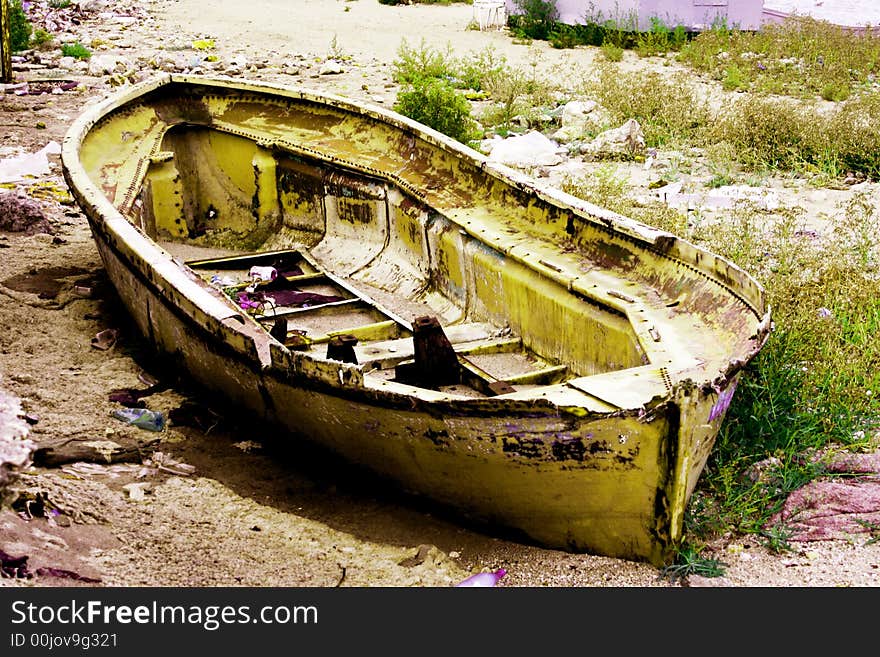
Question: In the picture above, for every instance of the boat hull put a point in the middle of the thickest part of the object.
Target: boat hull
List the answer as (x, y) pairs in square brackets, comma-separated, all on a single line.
[(560, 464), (611, 485)]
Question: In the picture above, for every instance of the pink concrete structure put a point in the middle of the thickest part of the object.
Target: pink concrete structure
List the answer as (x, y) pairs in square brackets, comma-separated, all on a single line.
[(855, 15), (637, 14)]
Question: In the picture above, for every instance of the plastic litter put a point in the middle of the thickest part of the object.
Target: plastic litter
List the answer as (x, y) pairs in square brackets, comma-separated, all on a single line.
[(166, 463), (142, 418), (137, 491), (263, 273), (483, 579), (222, 281), (15, 169), (105, 339)]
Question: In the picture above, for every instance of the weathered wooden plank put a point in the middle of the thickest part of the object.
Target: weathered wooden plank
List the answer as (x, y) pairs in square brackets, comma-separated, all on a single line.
[(56, 451)]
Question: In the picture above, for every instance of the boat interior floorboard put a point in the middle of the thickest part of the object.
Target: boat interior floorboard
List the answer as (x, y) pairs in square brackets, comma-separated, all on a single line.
[(309, 310)]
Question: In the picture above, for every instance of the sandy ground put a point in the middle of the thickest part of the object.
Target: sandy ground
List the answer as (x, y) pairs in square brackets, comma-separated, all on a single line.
[(257, 510)]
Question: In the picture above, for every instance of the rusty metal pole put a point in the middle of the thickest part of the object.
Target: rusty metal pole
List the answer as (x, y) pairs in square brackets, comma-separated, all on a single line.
[(5, 44)]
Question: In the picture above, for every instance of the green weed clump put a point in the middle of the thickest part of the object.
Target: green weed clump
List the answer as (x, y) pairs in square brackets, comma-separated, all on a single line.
[(660, 39), (40, 38), (75, 50), (611, 51), (766, 133), (800, 57), (667, 107), (769, 133), (20, 28), (689, 561), (539, 19)]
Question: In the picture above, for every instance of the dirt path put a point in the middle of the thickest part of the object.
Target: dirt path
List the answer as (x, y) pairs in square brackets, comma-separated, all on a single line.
[(256, 511)]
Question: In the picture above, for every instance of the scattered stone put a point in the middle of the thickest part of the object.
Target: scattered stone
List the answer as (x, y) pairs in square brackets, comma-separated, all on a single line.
[(107, 64), (581, 119), (422, 553), (829, 510), (22, 214), (725, 197), (165, 463), (532, 149), (331, 67), (138, 491), (92, 5), (16, 449), (699, 581), (62, 520), (626, 142), (247, 446), (12, 87), (28, 165)]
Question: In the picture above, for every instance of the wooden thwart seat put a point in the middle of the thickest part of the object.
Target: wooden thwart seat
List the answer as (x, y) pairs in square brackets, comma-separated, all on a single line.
[(357, 330)]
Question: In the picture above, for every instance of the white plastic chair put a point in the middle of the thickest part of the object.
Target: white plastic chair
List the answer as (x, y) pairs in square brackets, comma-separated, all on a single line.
[(490, 13)]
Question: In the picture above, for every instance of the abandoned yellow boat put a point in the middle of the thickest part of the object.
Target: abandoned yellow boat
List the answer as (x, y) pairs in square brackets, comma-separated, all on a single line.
[(514, 352)]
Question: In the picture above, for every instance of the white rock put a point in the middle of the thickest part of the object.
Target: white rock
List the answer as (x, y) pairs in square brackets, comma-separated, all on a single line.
[(627, 140), (92, 5), (137, 491), (107, 64), (331, 67), (580, 118), (529, 150)]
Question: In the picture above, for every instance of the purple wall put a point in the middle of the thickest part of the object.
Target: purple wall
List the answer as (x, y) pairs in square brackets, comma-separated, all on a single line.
[(693, 14)]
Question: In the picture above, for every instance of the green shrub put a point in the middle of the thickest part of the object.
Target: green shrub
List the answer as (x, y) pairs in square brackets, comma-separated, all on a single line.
[(75, 50), (563, 36), (537, 18), (612, 52), (20, 27), (473, 72), (437, 104), (40, 38), (414, 64)]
